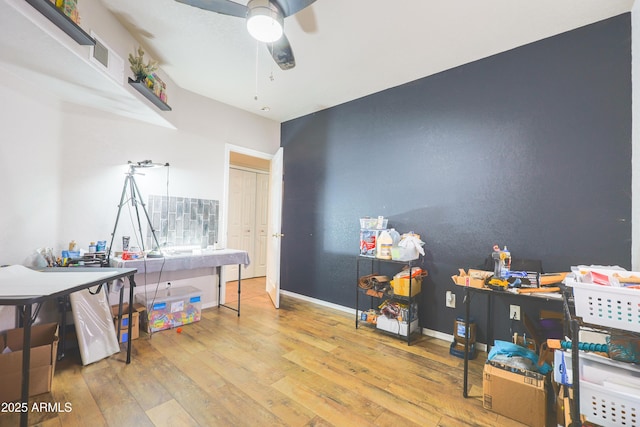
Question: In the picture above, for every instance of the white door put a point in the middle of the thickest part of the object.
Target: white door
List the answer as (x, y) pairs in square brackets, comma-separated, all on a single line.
[(241, 223), (259, 260), (274, 235)]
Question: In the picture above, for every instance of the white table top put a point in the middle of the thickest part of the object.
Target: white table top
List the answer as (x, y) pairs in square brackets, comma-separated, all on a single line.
[(17, 281), (185, 261)]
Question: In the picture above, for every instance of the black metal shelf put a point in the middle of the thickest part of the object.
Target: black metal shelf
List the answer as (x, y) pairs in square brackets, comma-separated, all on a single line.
[(408, 299), (388, 295), (62, 21), (141, 87)]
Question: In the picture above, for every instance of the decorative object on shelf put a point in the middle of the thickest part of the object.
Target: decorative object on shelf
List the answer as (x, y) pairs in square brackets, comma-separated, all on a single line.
[(65, 18), (147, 82), (141, 70), (143, 88), (70, 8)]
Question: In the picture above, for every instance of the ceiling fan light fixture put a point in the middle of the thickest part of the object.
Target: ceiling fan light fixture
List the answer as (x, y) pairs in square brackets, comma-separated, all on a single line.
[(264, 21)]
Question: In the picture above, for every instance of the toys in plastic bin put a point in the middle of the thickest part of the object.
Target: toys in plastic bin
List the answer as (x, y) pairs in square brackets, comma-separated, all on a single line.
[(163, 319)]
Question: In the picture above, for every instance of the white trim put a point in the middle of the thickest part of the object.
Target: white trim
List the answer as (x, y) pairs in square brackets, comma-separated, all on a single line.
[(319, 302), (424, 331), (224, 211), (244, 168)]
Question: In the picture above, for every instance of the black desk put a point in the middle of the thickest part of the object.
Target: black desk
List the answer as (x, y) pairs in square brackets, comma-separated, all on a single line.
[(23, 287), (468, 290)]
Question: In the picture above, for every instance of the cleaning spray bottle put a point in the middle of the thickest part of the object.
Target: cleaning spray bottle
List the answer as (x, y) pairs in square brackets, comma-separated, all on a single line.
[(384, 244)]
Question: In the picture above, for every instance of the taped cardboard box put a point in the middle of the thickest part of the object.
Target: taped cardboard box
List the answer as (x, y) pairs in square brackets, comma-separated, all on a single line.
[(138, 310), (519, 395), (44, 348), (472, 278)]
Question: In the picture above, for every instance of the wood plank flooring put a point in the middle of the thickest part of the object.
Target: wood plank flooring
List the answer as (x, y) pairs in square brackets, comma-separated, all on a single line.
[(301, 365)]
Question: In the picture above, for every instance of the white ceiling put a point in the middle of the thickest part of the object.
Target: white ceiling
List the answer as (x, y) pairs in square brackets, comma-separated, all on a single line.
[(344, 49)]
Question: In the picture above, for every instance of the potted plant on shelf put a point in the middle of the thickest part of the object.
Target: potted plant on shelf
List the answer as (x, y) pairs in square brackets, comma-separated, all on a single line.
[(139, 68)]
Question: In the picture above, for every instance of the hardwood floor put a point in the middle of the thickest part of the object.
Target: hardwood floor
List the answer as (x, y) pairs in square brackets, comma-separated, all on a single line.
[(301, 365)]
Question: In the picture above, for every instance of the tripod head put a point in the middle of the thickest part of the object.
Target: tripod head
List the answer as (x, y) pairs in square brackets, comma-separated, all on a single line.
[(135, 198), (144, 164)]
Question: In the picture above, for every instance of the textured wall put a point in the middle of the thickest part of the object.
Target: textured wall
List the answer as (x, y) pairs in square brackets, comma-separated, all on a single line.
[(530, 148)]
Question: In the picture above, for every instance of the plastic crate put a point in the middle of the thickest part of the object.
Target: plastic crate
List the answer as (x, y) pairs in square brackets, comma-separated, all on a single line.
[(606, 406), (609, 306), (173, 307)]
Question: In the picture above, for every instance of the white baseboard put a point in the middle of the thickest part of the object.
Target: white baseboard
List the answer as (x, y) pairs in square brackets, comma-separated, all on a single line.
[(425, 331), (319, 302)]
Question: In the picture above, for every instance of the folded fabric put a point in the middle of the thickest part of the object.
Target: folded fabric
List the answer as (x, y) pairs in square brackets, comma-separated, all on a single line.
[(508, 349)]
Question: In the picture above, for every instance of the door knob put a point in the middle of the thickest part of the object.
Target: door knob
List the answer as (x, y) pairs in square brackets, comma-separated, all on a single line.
[(278, 235)]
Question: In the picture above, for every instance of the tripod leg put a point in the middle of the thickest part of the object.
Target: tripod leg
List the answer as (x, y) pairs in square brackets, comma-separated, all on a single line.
[(144, 208), (134, 200), (122, 201)]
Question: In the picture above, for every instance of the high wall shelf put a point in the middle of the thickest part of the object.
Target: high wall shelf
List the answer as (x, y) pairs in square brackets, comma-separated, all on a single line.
[(57, 58), (405, 329), (141, 87), (62, 21)]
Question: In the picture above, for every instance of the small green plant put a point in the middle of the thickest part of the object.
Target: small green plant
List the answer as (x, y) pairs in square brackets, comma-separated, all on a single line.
[(139, 68)]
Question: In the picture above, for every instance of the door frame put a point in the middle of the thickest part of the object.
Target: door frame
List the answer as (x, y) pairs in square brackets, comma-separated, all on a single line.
[(228, 149)]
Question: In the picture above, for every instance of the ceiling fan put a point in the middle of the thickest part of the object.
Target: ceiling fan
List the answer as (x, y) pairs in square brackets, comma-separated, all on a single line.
[(265, 22)]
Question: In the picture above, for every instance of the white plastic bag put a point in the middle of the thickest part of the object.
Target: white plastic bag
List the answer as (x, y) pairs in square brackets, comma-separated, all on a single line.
[(409, 248)]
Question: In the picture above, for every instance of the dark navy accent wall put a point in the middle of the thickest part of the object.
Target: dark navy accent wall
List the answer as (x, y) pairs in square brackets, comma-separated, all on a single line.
[(530, 148)]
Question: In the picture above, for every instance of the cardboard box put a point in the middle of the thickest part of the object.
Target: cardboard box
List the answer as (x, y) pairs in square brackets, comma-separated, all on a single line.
[(139, 310), (519, 395), (394, 326), (401, 286), (44, 348), (472, 278)]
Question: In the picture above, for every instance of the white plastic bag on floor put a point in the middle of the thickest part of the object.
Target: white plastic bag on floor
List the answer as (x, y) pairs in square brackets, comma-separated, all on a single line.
[(94, 325)]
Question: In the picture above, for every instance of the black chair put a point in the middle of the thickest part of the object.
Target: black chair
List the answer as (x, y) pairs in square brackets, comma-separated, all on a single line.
[(522, 264)]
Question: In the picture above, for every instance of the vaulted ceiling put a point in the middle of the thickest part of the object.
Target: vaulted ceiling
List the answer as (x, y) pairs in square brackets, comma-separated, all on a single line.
[(344, 49)]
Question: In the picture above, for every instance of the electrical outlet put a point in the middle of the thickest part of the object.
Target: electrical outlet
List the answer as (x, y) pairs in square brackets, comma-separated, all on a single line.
[(514, 312), (451, 299)]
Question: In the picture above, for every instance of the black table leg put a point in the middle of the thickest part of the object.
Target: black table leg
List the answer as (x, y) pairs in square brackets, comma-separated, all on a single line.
[(219, 273), (467, 303), (62, 307), (120, 302), (239, 283), (132, 285), (26, 362)]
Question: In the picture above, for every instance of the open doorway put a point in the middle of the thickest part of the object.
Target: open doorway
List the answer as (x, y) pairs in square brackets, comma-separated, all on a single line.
[(247, 208), (264, 225)]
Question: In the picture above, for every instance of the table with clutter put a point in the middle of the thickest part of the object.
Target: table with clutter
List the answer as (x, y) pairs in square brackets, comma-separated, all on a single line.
[(25, 288), (191, 261), (591, 366)]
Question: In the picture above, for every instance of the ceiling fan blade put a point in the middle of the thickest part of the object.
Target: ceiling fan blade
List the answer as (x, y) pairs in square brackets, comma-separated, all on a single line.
[(290, 7), (282, 53), (224, 7), (307, 20)]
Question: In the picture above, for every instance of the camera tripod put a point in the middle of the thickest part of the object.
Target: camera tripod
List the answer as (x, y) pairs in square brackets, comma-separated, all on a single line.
[(136, 199)]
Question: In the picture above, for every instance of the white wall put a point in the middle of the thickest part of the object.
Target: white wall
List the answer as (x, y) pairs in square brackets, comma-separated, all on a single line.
[(63, 165)]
